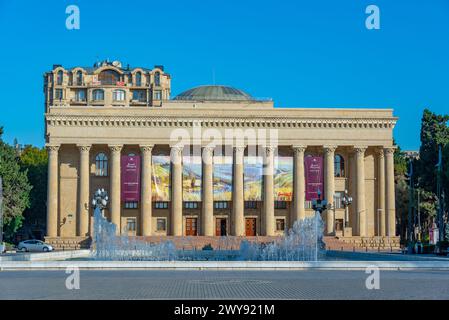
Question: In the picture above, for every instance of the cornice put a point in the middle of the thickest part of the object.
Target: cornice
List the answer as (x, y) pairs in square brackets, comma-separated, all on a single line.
[(54, 120)]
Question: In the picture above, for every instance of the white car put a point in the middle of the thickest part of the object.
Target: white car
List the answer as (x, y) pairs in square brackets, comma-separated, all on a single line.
[(34, 245)]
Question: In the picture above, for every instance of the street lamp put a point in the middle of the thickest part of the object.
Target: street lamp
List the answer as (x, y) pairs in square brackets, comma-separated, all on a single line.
[(100, 200), (346, 201), (319, 205)]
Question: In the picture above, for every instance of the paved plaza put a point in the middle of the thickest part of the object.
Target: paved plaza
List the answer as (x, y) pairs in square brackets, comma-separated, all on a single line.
[(127, 284)]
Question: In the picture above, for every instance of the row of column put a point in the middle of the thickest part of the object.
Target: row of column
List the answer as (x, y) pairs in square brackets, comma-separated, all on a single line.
[(386, 195)]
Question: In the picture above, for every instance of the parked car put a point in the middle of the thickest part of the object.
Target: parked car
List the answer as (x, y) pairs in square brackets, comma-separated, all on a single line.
[(34, 245)]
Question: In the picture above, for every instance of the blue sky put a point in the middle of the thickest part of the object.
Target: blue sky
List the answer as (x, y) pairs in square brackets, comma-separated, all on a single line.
[(300, 53)]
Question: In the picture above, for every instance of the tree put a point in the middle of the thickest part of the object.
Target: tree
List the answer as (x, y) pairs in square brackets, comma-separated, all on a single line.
[(434, 133), (34, 160), (16, 189)]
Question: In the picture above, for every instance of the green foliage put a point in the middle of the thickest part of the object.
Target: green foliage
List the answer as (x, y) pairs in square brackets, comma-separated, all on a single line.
[(16, 189), (34, 161), (434, 132), (402, 200), (400, 162)]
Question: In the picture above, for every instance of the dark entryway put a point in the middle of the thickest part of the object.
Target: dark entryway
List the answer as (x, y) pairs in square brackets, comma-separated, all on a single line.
[(220, 227)]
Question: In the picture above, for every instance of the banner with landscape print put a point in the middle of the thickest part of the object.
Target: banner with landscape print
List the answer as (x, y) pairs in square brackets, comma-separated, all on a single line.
[(222, 178), (191, 178), (160, 182), (283, 178), (253, 173)]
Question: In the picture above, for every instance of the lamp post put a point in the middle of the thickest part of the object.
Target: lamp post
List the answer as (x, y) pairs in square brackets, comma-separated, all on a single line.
[(319, 205), (100, 200), (346, 201)]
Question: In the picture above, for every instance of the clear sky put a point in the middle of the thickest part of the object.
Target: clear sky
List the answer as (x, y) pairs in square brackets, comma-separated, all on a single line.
[(300, 53)]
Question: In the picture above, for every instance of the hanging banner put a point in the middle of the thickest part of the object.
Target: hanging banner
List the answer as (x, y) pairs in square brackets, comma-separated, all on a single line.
[(191, 178), (253, 178), (283, 178), (222, 178), (160, 180), (314, 176), (130, 178)]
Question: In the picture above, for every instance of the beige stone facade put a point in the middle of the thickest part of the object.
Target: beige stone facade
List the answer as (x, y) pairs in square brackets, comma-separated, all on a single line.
[(116, 111)]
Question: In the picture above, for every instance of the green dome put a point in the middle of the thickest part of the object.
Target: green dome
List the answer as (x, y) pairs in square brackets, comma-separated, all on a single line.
[(213, 93)]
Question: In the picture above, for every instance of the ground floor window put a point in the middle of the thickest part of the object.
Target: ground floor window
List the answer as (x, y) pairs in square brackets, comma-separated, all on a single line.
[(131, 224), (280, 224), (161, 205), (161, 224)]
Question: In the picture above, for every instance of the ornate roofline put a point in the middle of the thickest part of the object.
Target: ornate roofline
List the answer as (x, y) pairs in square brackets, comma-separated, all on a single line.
[(232, 122)]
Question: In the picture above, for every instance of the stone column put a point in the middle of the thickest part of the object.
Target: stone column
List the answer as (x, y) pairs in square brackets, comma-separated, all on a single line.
[(83, 198), (207, 189), (238, 218), (146, 208), (176, 190), (360, 190), (115, 186), (299, 184), (268, 200), (390, 193), (381, 192), (52, 192), (329, 187)]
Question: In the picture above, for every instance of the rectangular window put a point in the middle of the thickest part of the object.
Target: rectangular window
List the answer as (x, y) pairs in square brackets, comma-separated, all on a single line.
[(280, 204), (118, 95), (80, 95), (131, 224), (190, 205), (338, 197), (250, 204), (161, 224), (131, 205), (140, 95), (58, 94), (221, 204), (158, 95), (161, 205), (280, 224)]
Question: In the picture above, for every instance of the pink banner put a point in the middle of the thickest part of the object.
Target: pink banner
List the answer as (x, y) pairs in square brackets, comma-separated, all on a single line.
[(314, 177), (130, 178)]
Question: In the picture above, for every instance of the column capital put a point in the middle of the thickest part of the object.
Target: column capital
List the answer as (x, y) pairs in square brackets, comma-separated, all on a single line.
[(239, 149), (84, 147), (360, 150), (269, 150), (145, 148), (52, 147), (329, 149), (389, 150), (380, 152), (208, 150), (298, 149), (116, 148)]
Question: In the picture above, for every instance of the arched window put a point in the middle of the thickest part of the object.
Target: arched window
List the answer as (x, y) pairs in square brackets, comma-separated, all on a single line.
[(98, 95), (339, 166), (101, 165), (138, 79), (79, 78), (118, 95), (157, 78), (109, 77), (60, 77)]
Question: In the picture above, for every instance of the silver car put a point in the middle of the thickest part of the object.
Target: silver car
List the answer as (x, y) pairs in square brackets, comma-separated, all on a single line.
[(34, 245)]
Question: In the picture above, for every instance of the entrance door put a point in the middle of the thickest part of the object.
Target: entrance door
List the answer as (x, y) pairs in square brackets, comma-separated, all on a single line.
[(191, 226), (250, 227), (220, 227)]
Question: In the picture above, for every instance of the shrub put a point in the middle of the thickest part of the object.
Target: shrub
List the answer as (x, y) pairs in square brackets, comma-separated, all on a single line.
[(208, 247)]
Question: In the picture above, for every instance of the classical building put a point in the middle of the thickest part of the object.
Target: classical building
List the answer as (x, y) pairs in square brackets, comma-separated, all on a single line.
[(211, 161)]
